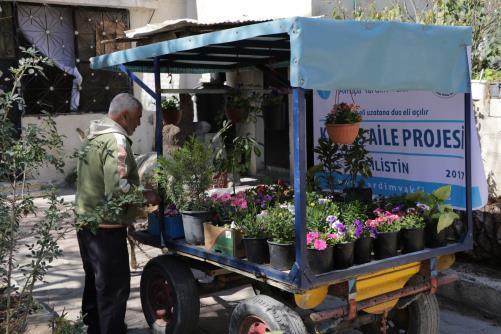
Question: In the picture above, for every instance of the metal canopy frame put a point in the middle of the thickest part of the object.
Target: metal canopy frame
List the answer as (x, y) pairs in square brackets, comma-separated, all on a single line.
[(261, 52)]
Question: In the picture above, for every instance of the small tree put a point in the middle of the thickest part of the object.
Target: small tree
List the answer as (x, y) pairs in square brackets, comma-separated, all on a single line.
[(20, 159), (484, 16)]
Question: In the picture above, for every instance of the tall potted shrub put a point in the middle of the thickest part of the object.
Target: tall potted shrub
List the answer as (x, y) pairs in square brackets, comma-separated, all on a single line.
[(184, 179), (279, 222)]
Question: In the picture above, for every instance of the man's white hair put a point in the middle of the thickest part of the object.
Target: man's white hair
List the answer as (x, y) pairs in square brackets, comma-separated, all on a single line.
[(123, 102)]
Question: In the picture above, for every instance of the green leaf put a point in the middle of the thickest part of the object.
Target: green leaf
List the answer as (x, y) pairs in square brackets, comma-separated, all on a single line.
[(446, 219), (443, 193), (416, 196)]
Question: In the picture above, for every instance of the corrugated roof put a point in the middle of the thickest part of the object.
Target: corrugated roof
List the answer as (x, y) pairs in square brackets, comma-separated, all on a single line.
[(186, 24)]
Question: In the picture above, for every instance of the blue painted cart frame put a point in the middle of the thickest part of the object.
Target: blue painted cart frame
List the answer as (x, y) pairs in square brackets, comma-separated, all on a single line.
[(264, 45)]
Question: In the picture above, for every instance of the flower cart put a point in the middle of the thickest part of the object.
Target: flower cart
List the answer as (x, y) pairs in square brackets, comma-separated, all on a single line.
[(323, 55)]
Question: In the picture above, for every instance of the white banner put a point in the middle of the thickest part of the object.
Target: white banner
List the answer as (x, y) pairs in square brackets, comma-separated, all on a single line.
[(416, 140)]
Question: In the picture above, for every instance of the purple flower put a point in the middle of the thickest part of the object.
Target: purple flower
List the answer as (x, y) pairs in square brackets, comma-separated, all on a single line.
[(359, 228), (373, 232), (340, 227), (397, 209), (331, 219)]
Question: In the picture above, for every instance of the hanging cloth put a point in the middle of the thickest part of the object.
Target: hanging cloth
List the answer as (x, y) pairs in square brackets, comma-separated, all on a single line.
[(50, 30)]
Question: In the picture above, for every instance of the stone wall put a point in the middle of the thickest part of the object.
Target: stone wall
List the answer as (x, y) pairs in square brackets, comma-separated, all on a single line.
[(487, 233)]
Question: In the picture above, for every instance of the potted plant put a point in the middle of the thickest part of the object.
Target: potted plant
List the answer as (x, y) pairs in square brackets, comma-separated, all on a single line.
[(274, 112), (253, 229), (237, 106), (320, 251), (234, 155), (171, 113), (279, 222), (387, 226), (184, 179), (412, 231), (344, 243), (363, 244), (316, 211), (173, 223), (343, 123), (438, 215), (357, 164)]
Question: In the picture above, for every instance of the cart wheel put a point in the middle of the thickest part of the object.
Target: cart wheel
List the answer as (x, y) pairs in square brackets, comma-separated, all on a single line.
[(263, 314), (422, 316), (169, 296)]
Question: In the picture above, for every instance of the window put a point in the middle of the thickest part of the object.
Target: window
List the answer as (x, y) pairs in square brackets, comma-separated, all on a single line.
[(69, 36)]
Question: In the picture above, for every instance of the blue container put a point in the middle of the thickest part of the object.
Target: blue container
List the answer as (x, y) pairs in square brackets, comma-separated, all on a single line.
[(173, 226)]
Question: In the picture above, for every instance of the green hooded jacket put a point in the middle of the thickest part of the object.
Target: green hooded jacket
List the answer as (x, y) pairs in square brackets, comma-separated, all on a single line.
[(105, 168)]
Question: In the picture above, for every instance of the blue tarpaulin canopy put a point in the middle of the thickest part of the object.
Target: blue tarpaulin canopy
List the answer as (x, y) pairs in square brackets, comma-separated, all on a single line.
[(322, 54)]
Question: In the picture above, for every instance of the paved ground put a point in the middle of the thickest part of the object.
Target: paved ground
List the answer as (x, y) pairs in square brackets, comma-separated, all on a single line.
[(64, 283)]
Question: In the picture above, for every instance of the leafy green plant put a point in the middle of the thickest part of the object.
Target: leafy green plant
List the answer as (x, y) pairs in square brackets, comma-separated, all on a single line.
[(330, 156), (317, 210), (112, 209), (170, 104), (483, 16), (353, 210), (492, 75), (249, 105), (343, 113), (185, 177), (357, 161), (412, 221), (279, 222), (435, 206), (233, 157), (24, 152), (248, 222)]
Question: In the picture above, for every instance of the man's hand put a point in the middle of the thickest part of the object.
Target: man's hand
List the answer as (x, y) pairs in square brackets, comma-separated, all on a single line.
[(151, 197)]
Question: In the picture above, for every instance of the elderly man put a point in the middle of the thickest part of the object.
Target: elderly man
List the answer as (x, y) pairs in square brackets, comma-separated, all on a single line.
[(106, 170)]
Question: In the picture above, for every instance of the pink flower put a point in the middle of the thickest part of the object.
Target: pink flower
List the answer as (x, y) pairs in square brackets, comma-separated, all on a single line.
[(320, 244), (332, 236), (378, 211), (225, 197), (311, 236)]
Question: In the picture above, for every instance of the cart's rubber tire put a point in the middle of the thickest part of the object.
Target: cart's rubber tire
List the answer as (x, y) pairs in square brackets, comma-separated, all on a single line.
[(168, 286), (261, 288), (422, 316), (267, 313)]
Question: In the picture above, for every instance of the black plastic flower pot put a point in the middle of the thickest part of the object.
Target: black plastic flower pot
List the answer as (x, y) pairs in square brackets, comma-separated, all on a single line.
[(344, 255), (320, 261), (281, 255), (434, 239), (412, 240), (363, 250), (256, 250), (193, 225), (386, 245)]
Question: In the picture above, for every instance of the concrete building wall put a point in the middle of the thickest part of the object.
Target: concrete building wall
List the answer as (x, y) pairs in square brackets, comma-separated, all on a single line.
[(488, 113)]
